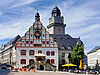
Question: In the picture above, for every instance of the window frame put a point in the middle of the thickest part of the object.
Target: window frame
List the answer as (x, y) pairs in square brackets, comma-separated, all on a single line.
[(21, 53), (53, 61), (49, 60), (30, 60), (51, 53), (33, 51), (21, 61), (39, 50)]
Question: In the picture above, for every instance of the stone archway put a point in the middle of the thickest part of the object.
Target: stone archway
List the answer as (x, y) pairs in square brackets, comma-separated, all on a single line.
[(39, 59), (40, 67)]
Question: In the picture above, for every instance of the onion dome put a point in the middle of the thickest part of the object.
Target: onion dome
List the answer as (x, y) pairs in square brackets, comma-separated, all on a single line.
[(56, 12)]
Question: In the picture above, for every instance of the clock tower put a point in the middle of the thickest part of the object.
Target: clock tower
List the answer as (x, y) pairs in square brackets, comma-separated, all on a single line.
[(56, 22)]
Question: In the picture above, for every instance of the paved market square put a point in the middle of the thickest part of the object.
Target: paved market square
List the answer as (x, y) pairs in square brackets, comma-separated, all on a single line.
[(8, 72)]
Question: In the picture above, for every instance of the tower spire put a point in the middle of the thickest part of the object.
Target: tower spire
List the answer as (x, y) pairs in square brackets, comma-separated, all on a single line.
[(37, 16)]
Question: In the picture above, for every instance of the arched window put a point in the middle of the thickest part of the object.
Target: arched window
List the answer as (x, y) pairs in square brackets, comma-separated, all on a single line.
[(52, 53), (48, 53), (52, 61), (31, 52), (23, 52), (23, 61), (39, 51), (31, 61), (48, 61)]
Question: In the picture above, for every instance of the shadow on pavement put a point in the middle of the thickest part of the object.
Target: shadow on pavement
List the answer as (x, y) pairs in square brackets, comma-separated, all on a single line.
[(4, 71)]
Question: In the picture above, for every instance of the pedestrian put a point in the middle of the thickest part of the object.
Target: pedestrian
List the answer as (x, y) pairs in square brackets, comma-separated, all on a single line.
[(54, 69)]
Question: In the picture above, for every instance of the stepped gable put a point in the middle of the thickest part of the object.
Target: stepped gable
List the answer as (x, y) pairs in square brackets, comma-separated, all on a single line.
[(37, 36)]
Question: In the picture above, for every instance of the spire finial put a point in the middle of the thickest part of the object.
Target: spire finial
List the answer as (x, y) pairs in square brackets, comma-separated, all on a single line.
[(37, 10), (37, 17)]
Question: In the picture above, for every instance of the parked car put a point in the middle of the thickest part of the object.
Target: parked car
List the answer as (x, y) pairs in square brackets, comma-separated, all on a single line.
[(92, 72), (3, 67)]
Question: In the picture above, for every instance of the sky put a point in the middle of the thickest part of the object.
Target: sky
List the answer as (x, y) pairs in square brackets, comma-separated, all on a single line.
[(82, 18)]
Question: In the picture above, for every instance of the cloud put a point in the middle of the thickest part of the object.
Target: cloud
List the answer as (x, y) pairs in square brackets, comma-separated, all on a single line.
[(15, 28), (80, 16), (22, 3)]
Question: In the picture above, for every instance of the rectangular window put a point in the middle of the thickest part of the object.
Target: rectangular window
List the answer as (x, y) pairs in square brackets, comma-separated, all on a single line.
[(43, 42), (47, 42), (23, 61), (37, 45), (27, 42), (31, 52), (63, 61), (31, 42), (23, 52), (63, 55)]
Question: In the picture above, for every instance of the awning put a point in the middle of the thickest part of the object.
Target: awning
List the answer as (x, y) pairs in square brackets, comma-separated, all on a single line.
[(68, 65)]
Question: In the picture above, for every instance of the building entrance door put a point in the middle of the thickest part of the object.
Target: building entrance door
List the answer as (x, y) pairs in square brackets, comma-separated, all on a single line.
[(41, 67)]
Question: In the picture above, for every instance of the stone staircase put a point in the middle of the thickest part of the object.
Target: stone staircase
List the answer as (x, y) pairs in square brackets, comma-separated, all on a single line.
[(50, 66)]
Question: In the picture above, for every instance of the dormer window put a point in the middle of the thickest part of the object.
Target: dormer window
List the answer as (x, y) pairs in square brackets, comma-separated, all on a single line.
[(69, 48), (62, 47), (67, 38), (60, 38)]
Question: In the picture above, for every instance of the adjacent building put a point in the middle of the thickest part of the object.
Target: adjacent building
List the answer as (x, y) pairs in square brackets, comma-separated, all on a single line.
[(41, 48), (8, 52), (93, 57)]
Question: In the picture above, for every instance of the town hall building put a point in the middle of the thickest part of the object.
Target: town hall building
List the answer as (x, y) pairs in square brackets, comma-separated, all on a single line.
[(41, 48)]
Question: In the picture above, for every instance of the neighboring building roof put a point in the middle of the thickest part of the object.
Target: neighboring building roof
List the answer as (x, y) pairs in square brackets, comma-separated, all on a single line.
[(13, 41), (66, 40), (94, 49)]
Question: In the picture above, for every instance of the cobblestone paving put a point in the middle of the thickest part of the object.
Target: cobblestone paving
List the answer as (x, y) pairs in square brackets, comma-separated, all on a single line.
[(36, 73)]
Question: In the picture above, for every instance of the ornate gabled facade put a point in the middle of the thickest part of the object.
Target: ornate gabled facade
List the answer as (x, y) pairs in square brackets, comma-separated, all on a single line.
[(37, 45), (43, 51)]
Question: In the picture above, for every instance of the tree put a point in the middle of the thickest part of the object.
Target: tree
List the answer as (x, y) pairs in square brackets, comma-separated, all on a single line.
[(77, 54)]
